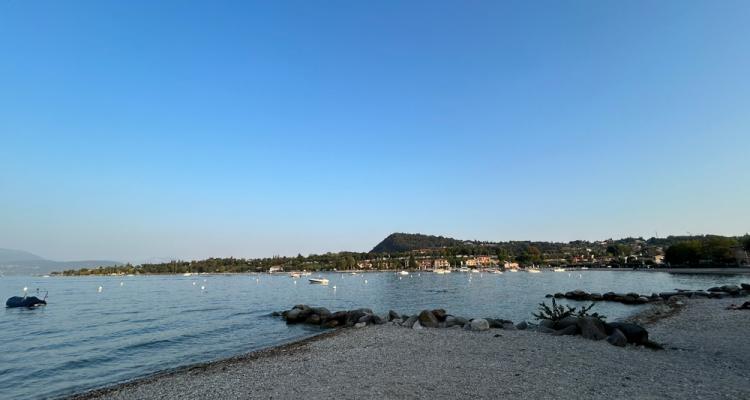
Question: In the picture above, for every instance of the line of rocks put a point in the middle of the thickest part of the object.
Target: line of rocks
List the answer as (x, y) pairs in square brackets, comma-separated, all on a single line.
[(361, 317), (593, 328), (718, 292)]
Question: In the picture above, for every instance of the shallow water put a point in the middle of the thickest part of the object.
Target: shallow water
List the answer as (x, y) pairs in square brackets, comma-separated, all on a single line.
[(138, 325)]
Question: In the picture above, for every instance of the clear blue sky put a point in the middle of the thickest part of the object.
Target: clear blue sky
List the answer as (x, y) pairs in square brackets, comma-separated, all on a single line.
[(138, 129)]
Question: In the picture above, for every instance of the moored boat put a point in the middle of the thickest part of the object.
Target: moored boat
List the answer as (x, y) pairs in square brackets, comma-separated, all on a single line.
[(318, 281)]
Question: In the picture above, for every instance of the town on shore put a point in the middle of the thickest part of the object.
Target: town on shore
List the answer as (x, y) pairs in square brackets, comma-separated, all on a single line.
[(402, 251)]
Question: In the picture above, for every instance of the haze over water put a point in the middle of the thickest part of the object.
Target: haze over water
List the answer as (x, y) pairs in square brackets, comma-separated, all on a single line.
[(139, 325)]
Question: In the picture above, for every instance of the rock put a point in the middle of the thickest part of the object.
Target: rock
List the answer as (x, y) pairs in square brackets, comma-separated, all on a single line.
[(339, 316), (566, 322), (378, 320), (718, 295), (544, 329), (427, 319), (617, 338), (417, 325), (642, 300), (450, 321), (592, 328), (313, 319), (714, 289), (698, 293), (596, 296), (353, 316), (367, 318), (568, 330), (360, 325), (479, 324), (461, 321), (559, 295), (667, 295), (547, 296), (275, 314), (634, 333), (494, 323), (397, 321), (321, 311), (440, 314), (609, 296), (301, 307), (522, 326), (731, 289), (547, 323), (577, 294), (508, 326), (331, 323), (410, 322), (393, 315), (627, 299), (745, 286), (297, 315)]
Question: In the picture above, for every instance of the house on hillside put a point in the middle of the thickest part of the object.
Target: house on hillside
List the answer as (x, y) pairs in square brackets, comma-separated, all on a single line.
[(440, 263), (740, 254), (277, 268)]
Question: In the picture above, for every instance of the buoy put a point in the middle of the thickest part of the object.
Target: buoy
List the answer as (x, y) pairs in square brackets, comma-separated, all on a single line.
[(100, 289), (25, 289), (193, 283), (122, 283), (203, 287)]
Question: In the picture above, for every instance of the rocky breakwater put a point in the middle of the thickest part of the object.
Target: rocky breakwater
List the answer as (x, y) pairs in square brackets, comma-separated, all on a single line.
[(361, 317), (718, 292)]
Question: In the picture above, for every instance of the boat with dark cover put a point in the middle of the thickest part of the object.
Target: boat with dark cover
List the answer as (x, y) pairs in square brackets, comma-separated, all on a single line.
[(26, 301)]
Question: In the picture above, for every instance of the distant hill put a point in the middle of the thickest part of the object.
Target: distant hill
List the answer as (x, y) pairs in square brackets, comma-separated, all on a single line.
[(19, 262), (400, 242)]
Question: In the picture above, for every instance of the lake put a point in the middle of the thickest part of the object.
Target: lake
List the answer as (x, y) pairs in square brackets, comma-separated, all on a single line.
[(86, 338)]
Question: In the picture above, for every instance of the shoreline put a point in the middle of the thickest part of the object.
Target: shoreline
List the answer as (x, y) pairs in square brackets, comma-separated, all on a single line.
[(697, 271), (329, 355)]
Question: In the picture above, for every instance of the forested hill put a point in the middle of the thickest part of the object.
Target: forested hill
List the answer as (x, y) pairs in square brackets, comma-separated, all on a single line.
[(401, 242)]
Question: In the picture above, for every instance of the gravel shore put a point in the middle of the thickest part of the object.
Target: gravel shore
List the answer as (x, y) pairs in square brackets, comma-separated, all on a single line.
[(707, 357)]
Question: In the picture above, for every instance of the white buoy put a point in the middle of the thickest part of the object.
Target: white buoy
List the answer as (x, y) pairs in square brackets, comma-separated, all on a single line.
[(25, 289), (295, 281), (203, 287), (194, 283), (334, 287), (399, 278), (122, 284), (100, 289)]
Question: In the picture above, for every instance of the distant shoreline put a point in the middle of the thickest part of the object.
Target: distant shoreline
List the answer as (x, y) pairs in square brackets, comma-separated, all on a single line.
[(701, 271)]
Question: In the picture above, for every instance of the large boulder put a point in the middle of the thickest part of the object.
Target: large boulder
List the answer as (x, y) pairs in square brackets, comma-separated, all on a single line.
[(745, 286), (634, 333), (592, 328), (26, 301), (450, 321), (479, 324), (360, 325), (393, 315), (617, 338), (569, 330), (321, 311), (440, 314), (427, 319), (461, 321), (731, 289), (566, 322), (410, 321), (378, 320), (521, 326), (417, 325)]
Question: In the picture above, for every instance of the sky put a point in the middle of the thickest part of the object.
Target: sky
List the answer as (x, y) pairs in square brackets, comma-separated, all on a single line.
[(187, 129)]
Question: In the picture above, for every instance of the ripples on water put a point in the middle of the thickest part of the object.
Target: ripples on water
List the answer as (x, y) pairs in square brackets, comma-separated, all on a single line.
[(138, 325)]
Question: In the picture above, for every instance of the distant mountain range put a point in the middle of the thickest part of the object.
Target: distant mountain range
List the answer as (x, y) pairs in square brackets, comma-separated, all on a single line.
[(19, 262)]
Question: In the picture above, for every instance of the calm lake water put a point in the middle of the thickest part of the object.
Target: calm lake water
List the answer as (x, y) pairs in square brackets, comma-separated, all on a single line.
[(138, 325)]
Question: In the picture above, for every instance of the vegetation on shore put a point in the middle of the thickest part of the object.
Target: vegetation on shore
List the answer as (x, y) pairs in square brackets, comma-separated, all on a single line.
[(404, 251)]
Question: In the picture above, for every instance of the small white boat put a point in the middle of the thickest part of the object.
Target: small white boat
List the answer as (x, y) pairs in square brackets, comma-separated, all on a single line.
[(584, 268), (497, 271), (187, 274), (534, 271), (404, 273), (463, 269), (559, 269), (440, 271), (475, 271), (513, 270), (319, 281), (294, 275), (306, 273)]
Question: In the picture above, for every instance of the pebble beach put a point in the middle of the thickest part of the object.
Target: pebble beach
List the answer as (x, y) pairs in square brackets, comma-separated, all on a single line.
[(705, 357)]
